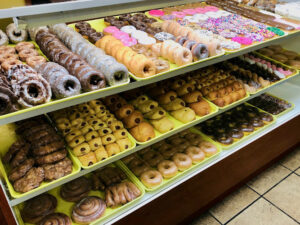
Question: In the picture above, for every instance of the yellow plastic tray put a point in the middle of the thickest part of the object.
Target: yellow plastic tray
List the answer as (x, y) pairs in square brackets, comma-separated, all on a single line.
[(178, 124), (283, 112), (246, 136), (179, 174), (99, 25), (66, 207), (7, 138)]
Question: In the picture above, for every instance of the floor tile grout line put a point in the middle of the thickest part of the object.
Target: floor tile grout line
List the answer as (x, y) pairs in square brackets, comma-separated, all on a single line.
[(214, 217), (280, 209), (285, 167), (240, 212)]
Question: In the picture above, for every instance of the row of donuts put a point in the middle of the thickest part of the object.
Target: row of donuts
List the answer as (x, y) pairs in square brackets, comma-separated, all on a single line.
[(83, 200), (166, 158), (235, 124), (38, 155), (92, 132)]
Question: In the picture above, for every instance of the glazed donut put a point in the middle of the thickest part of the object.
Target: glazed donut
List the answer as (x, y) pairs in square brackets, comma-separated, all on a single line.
[(156, 49), (16, 35), (24, 45), (208, 148), (153, 158), (181, 40), (35, 61), (88, 210), (3, 38), (8, 64), (182, 161), (151, 178), (26, 53), (142, 67), (8, 56), (167, 168), (182, 56), (195, 153), (199, 51)]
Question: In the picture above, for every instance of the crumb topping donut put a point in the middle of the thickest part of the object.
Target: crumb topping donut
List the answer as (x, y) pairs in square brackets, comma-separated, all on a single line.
[(167, 168), (182, 161), (151, 178)]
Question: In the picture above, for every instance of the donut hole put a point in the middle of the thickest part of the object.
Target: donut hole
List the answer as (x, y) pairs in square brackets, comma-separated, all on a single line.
[(119, 76), (33, 91)]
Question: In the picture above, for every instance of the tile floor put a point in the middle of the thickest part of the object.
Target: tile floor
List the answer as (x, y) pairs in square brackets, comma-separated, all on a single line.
[(271, 198)]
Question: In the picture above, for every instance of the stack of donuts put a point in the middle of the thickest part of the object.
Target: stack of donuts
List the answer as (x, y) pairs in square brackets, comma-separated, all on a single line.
[(177, 30), (39, 155), (235, 124), (88, 32), (28, 86), (8, 100), (138, 64), (170, 101), (150, 110), (114, 72), (56, 51), (133, 120), (164, 159), (93, 133)]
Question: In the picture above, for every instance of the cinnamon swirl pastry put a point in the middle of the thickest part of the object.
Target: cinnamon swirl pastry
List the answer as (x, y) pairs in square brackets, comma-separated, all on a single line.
[(88, 210), (56, 219), (75, 190)]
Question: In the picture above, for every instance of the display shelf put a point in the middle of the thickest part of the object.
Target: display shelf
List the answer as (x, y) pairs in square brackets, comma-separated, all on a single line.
[(286, 91), (60, 104), (14, 202)]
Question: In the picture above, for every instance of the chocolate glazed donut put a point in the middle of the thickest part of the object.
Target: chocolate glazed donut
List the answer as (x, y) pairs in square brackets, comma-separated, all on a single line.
[(88, 210)]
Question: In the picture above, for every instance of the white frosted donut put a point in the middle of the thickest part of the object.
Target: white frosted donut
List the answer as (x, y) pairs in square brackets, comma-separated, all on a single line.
[(138, 34), (16, 35), (147, 41), (201, 17), (128, 29)]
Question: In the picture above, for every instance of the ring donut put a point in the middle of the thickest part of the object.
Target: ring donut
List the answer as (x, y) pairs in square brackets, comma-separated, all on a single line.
[(182, 56), (199, 51), (16, 35), (141, 66), (24, 45), (8, 56), (6, 65), (167, 168), (182, 161), (7, 49), (196, 154), (151, 178), (3, 38), (26, 53), (35, 61)]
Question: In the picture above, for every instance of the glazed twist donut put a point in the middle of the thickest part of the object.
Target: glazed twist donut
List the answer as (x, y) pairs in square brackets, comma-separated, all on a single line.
[(15, 34), (56, 219), (75, 190), (88, 210), (36, 208)]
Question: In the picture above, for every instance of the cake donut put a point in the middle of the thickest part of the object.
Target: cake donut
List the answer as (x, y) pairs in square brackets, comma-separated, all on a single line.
[(195, 153), (167, 168), (182, 161), (3, 38), (151, 178), (88, 210), (62, 83), (15, 34)]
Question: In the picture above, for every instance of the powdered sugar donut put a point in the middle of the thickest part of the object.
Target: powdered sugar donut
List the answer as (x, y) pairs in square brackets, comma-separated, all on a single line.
[(128, 29)]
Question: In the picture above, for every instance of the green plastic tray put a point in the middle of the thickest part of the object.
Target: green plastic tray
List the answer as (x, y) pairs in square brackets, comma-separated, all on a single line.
[(283, 112), (179, 174), (7, 138), (99, 25), (66, 207), (247, 135)]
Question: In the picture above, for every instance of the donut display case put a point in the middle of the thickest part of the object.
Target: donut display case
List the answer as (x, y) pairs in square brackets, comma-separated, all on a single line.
[(114, 112)]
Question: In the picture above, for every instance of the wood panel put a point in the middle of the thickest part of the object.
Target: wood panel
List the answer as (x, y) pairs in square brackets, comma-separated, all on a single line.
[(188, 200)]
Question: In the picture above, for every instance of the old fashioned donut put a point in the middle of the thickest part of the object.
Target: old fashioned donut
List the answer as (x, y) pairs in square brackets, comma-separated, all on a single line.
[(8, 64), (208, 148), (182, 161), (7, 49), (167, 168), (195, 153), (151, 178), (142, 67), (8, 56), (15, 34), (24, 45), (26, 53), (3, 38), (35, 61)]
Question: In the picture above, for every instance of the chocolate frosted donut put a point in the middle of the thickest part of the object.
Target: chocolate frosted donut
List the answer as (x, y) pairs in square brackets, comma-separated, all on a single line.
[(37, 208), (75, 190), (56, 219), (88, 210), (90, 78), (15, 34)]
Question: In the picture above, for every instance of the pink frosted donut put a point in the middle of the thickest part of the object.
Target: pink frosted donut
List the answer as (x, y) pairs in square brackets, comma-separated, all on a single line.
[(200, 10), (242, 40), (111, 29), (212, 8), (156, 12), (120, 35), (178, 14), (129, 42), (189, 11)]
